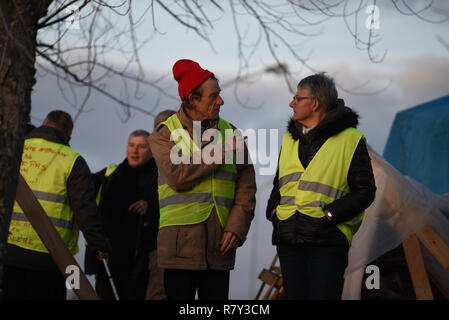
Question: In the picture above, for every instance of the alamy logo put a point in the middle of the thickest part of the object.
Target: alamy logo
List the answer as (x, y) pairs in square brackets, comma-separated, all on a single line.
[(73, 21), (187, 149), (73, 279), (373, 20), (373, 280)]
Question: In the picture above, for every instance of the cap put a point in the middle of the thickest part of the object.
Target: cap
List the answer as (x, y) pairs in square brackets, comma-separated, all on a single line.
[(189, 76)]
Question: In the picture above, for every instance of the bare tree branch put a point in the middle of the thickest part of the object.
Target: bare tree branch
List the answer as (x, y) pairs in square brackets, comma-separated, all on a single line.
[(258, 25), (76, 79)]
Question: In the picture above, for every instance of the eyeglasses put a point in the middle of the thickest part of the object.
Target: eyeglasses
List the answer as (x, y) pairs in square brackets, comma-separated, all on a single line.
[(297, 99)]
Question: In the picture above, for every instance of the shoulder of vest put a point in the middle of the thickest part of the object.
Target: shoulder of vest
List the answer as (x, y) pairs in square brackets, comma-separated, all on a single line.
[(67, 148), (76, 154), (351, 131), (172, 118), (224, 121), (110, 169), (287, 135), (224, 124), (172, 122)]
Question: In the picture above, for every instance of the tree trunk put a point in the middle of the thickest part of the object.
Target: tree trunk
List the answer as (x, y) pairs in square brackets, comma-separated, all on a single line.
[(18, 30)]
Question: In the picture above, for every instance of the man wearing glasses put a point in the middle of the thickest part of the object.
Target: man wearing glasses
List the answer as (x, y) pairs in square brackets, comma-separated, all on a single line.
[(323, 185)]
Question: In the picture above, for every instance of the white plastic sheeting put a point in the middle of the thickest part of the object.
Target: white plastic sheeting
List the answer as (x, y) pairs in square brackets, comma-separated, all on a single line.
[(401, 207)]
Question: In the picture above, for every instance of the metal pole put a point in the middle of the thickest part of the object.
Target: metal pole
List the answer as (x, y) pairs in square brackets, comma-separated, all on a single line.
[(114, 290)]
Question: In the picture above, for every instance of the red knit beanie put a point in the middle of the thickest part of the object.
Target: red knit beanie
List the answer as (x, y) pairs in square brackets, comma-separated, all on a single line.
[(189, 75)]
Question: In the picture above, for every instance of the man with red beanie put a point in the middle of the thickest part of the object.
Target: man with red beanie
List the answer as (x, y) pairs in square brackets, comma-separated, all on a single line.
[(205, 208)]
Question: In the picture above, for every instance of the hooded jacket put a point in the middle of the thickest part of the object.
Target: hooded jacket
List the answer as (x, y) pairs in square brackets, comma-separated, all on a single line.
[(303, 230)]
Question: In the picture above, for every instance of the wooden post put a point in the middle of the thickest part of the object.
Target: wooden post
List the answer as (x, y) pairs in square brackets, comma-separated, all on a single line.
[(437, 247), (417, 268), (51, 238), (273, 278)]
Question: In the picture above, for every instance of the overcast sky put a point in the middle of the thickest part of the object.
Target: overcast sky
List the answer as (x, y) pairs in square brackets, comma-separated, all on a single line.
[(415, 70)]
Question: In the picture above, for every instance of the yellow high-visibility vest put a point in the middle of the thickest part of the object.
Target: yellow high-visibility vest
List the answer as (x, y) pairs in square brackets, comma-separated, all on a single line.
[(216, 190), (109, 170), (46, 166), (324, 180)]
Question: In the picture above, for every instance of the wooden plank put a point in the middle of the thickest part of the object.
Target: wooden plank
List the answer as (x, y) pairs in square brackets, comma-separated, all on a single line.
[(260, 291), (51, 238), (437, 247), (271, 277), (268, 293), (274, 282), (440, 286), (279, 290), (276, 270), (417, 268), (268, 277)]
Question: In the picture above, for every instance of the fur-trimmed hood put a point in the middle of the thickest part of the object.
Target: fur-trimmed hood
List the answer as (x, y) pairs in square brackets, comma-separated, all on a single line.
[(335, 121)]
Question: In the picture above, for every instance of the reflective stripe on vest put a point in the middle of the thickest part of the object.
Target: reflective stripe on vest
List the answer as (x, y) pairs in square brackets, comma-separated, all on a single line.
[(310, 190), (216, 190), (20, 216), (46, 167)]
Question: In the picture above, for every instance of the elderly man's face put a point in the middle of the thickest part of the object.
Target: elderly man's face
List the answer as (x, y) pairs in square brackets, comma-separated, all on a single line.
[(208, 106), (302, 105), (138, 151)]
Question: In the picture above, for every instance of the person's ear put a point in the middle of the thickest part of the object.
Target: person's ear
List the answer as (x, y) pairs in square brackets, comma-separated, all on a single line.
[(68, 135), (316, 104), (191, 99)]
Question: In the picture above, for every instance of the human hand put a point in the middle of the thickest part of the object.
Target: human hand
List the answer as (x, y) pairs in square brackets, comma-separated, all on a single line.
[(273, 212), (229, 240), (139, 207), (102, 255)]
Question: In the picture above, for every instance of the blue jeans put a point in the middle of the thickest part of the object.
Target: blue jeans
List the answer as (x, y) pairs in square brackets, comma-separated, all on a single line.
[(313, 273)]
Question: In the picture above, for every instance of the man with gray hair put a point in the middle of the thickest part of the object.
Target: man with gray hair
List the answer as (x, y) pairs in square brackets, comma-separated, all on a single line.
[(128, 204), (323, 185)]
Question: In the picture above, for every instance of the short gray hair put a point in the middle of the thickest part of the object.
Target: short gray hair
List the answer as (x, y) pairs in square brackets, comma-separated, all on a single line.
[(139, 133), (323, 88)]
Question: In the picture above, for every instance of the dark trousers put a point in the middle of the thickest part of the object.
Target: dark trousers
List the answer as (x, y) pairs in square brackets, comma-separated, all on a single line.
[(183, 284), (314, 273), (131, 282), (127, 287), (26, 284)]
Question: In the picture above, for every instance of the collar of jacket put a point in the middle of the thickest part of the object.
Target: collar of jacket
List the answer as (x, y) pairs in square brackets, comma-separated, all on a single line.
[(335, 121), (147, 166), (47, 133), (187, 123)]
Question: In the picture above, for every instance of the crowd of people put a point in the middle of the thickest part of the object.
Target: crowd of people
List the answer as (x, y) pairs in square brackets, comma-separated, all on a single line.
[(169, 225)]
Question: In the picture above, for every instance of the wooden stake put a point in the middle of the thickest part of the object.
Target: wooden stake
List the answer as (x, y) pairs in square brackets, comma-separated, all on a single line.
[(51, 238), (417, 268), (437, 247)]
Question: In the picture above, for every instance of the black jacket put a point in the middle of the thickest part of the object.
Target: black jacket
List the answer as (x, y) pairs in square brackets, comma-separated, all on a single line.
[(132, 236), (301, 229), (81, 196)]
